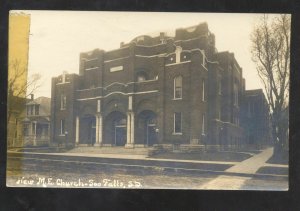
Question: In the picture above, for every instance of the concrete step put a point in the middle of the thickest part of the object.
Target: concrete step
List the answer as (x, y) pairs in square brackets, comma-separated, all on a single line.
[(110, 150)]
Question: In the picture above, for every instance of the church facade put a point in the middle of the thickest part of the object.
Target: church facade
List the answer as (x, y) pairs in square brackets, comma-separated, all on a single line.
[(159, 90)]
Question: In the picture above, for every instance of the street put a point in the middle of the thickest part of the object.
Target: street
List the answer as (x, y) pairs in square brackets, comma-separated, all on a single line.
[(68, 171)]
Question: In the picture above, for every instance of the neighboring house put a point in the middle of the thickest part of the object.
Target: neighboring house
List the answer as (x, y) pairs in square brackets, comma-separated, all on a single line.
[(36, 122), (255, 119), (14, 128), (154, 90)]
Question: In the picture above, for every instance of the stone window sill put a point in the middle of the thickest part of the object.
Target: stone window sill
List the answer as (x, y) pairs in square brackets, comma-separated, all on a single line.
[(177, 134)]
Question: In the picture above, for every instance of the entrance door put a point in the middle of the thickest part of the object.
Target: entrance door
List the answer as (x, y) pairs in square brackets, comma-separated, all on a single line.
[(92, 132), (120, 132), (87, 130), (120, 136), (150, 132)]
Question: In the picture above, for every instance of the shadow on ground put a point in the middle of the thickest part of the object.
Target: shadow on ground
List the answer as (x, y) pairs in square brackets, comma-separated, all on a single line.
[(206, 156)]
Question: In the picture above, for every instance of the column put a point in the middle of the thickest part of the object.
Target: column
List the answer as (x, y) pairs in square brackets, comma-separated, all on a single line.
[(34, 139), (97, 131), (100, 130), (77, 130), (132, 129), (128, 129)]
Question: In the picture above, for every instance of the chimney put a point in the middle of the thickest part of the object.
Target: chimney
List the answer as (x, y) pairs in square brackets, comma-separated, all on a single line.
[(122, 44), (31, 96), (162, 37)]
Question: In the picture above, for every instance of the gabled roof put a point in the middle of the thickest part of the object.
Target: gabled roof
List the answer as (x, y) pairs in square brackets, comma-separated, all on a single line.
[(44, 102)]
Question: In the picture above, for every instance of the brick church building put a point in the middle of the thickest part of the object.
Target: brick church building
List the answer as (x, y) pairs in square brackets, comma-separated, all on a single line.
[(159, 90)]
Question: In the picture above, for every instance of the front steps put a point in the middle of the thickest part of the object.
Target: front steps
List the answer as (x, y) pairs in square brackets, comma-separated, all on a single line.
[(148, 151), (111, 150)]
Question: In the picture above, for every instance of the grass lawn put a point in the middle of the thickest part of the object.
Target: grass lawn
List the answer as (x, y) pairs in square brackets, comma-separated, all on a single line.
[(273, 170), (280, 158), (207, 156)]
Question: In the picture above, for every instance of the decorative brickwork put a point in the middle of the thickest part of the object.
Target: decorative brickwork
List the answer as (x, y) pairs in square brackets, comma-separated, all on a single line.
[(176, 91)]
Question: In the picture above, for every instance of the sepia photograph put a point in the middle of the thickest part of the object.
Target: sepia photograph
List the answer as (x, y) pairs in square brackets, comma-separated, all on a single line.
[(148, 100)]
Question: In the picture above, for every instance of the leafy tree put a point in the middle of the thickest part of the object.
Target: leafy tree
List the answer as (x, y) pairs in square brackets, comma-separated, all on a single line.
[(270, 50)]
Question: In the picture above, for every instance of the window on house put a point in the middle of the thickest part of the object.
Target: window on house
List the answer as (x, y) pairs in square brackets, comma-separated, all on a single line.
[(25, 129), (62, 127), (31, 109), (33, 128), (203, 90), (63, 101), (177, 122), (178, 87), (37, 109)]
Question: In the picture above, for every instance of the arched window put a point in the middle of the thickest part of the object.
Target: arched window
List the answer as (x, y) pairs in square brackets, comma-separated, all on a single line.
[(178, 87)]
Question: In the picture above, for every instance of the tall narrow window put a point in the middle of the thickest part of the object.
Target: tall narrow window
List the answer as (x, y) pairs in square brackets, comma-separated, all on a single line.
[(37, 109), (203, 124), (25, 129), (63, 102), (178, 87), (33, 128), (177, 123), (62, 127), (178, 53), (236, 95), (31, 109), (203, 90)]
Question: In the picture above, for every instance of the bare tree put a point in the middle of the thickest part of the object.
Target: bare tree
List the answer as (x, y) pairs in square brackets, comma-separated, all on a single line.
[(270, 50), (19, 89)]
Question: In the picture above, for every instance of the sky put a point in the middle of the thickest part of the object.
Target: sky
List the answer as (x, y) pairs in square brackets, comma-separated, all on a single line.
[(58, 37)]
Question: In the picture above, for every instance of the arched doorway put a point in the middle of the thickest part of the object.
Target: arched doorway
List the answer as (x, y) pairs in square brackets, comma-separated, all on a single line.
[(148, 127), (88, 130), (115, 129)]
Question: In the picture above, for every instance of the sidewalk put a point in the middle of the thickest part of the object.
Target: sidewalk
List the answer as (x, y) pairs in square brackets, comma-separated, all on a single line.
[(249, 166), (130, 157)]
